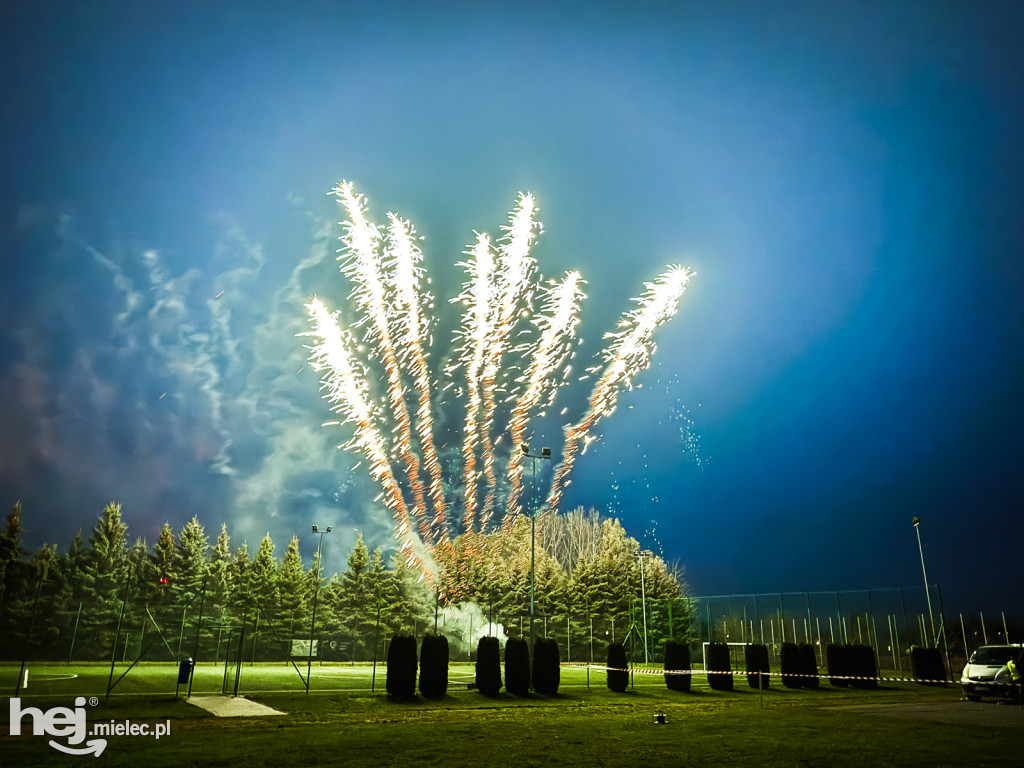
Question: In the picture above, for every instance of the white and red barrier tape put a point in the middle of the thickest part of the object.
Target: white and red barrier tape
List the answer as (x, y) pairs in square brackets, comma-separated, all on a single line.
[(736, 672)]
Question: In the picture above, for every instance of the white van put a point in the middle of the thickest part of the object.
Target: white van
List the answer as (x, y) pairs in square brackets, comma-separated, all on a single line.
[(986, 674)]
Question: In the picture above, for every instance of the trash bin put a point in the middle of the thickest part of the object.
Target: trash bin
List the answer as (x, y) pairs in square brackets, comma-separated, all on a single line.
[(184, 671)]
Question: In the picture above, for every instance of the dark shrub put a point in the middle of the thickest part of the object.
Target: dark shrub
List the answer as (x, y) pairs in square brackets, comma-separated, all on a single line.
[(488, 666), (434, 666), (546, 669), (677, 657), (401, 679), (840, 665), (928, 666), (790, 665), (864, 666), (618, 668), (718, 663), (517, 667), (756, 658), (808, 666)]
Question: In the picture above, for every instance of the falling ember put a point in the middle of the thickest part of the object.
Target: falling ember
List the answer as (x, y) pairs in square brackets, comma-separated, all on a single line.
[(388, 292)]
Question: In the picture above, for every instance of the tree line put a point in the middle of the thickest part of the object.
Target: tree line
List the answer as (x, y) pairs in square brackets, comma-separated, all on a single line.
[(104, 596)]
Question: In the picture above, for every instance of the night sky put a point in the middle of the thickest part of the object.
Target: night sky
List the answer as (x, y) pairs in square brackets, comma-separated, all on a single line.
[(846, 180)]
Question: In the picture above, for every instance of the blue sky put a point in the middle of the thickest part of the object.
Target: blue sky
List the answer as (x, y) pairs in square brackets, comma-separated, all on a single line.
[(846, 180)]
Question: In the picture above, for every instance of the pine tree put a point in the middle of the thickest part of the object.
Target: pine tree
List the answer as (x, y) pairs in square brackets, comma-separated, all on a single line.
[(105, 578), (264, 578), (355, 599), (380, 588), (264, 592), (50, 586), (10, 547), (160, 579), (239, 573), (13, 576), (292, 586), (72, 575), (192, 563), (411, 601), (218, 594)]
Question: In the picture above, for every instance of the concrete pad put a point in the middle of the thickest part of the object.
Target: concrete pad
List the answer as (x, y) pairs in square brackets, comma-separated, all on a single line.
[(232, 706)]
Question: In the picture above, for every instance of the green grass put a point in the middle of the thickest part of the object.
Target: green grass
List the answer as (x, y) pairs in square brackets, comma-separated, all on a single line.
[(349, 726)]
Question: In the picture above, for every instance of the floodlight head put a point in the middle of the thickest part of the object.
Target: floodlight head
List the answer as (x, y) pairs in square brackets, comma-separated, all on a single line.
[(524, 448), (545, 452), (916, 520), (315, 529), (328, 529)]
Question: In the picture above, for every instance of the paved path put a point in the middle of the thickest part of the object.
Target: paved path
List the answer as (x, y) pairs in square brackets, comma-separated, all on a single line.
[(956, 712), (232, 706)]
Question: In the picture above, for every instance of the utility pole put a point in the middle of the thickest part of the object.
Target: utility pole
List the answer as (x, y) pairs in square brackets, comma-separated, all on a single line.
[(643, 599), (316, 592), (545, 453), (927, 592)]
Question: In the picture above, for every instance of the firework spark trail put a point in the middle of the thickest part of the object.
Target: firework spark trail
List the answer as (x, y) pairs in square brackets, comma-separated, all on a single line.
[(403, 258), (557, 324), (629, 353), (515, 270), (361, 263), (477, 296), (388, 293), (346, 389)]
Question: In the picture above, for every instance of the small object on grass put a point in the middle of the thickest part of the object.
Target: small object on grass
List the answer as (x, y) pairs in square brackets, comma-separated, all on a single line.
[(659, 718)]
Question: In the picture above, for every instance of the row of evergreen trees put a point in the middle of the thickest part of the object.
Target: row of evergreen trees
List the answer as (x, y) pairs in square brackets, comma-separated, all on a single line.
[(71, 604)]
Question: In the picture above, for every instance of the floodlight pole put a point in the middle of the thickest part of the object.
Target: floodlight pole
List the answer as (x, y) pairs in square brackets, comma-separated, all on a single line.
[(927, 592), (545, 453), (316, 592), (643, 598)]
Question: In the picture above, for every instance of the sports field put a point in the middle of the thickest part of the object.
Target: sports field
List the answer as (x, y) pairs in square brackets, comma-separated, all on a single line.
[(341, 722)]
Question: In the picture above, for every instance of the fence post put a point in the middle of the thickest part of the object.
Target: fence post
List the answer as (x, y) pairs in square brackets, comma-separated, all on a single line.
[(195, 645), (28, 635), (807, 596), (892, 643), (821, 651), (942, 626), (113, 653), (874, 626), (74, 633)]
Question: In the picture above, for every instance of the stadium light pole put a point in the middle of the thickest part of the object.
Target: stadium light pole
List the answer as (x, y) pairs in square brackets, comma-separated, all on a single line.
[(545, 453), (643, 597), (316, 592), (927, 592)]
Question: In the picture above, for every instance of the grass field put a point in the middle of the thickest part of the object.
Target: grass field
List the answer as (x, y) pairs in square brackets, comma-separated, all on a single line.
[(342, 723)]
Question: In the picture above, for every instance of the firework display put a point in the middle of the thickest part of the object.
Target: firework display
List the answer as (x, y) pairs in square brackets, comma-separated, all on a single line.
[(391, 304)]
